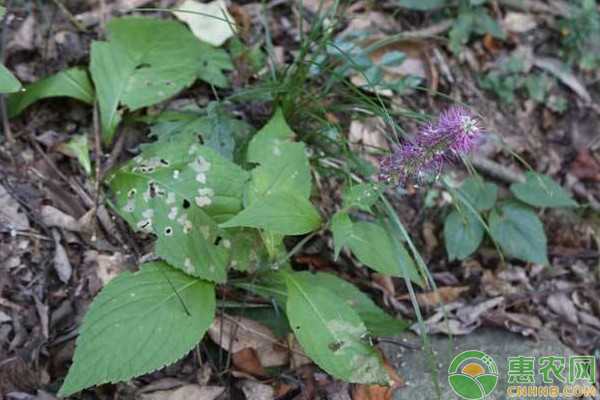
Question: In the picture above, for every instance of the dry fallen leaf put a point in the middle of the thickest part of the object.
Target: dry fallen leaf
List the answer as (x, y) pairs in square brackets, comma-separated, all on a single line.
[(271, 350), (298, 358), (247, 360), (53, 217), (368, 135), (209, 22), (11, 216), (518, 22), (186, 392), (378, 392), (62, 265), (563, 306), (448, 294), (107, 267), (558, 69), (257, 391)]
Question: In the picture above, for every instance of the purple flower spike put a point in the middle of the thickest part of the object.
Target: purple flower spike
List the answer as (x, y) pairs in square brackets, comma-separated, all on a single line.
[(454, 133)]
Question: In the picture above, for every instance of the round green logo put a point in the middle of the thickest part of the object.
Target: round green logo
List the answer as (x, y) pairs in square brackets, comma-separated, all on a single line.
[(473, 375)]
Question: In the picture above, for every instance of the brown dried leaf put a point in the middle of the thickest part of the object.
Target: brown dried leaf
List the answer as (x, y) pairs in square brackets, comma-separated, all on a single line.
[(237, 333), (563, 306), (378, 392), (448, 294), (247, 360)]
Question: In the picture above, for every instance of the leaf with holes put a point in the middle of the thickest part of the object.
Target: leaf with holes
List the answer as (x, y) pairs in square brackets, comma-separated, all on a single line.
[(139, 323), (541, 191), (331, 332), (463, 234), (146, 61), (519, 232), (179, 191), (371, 244), (73, 83)]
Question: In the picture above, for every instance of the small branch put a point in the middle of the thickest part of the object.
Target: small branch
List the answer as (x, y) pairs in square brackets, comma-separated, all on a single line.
[(496, 170), (98, 151)]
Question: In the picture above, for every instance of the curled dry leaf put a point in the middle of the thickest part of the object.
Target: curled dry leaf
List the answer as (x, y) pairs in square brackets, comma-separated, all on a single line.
[(237, 333), (247, 360), (210, 22), (518, 22), (53, 217), (62, 265), (107, 267)]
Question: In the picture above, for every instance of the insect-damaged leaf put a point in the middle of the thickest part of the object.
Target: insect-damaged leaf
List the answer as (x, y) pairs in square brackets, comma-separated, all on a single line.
[(179, 191), (140, 323), (146, 61), (331, 332)]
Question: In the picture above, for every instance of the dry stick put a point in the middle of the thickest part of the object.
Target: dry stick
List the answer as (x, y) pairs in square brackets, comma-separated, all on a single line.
[(5, 123), (497, 170), (98, 150), (69, 16)]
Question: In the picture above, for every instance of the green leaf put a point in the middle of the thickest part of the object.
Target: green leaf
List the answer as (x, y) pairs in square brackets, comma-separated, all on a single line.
[(79, 146), (8, 82), (486, 24), (519, 232), (332, 333), (422, 5), (361, 197), (179, 191), (147, 61), (461, 30), (541, 191), (371, 244), (341, 227), (73, 83), (272, 286), (462, 235), (479, 194), (269, 138), (139, 323), (279, 213)]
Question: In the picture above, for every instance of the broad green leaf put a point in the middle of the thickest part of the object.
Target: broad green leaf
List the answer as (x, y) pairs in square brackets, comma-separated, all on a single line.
[(73, 83), (179, 191), (371, 244), (284, 170), (147, 61), (8, 82), (519, 232), (140, 323), (2, 12), (79, 146), (280, 213), (361, 197), (247, 250), (341, 227), (332, 333), (461, 30), (377, 321), (263, 144), (541, 191), (479, 194), (486, 24), (272, 286), (422, 5), (462, 234)]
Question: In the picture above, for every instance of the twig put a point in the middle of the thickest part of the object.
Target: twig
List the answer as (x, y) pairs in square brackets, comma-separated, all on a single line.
[(98, 151), (69, 16), (496, 170), (5, 123)]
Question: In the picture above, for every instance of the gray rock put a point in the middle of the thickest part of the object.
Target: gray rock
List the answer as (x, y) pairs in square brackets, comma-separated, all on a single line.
[(498, 344)]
